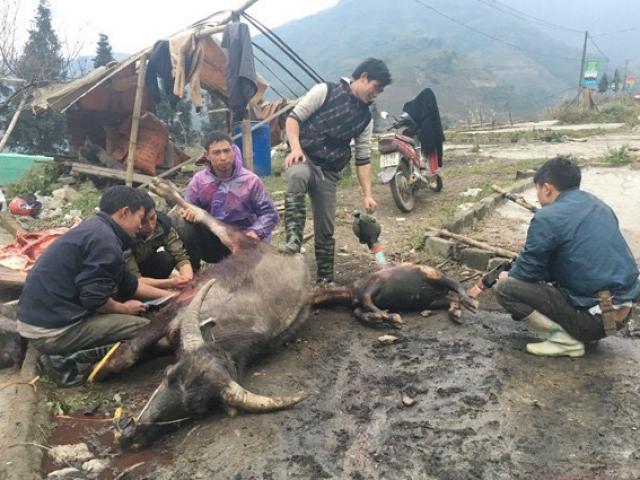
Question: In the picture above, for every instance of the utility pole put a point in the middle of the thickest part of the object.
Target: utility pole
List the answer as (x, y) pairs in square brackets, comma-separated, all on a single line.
[(624, 78), (584, 56)]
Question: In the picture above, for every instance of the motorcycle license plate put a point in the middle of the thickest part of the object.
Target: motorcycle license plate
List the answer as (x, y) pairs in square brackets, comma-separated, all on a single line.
[(389, 159)]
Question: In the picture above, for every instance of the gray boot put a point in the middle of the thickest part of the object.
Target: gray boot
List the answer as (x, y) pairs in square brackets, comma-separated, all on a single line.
[(295, 215), (324, 261)]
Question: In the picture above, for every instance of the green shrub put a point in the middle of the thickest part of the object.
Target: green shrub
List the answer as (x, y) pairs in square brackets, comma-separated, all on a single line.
[(618, 156), (39, 178)]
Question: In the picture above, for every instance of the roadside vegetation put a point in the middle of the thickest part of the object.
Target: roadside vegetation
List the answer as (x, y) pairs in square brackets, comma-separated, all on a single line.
[(618, 109)]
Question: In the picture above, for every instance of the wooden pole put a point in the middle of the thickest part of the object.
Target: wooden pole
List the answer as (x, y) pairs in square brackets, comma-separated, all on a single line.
[(247, 144), (501, 252), (584, 56), (12, 124), (515, 198), (135, 120)]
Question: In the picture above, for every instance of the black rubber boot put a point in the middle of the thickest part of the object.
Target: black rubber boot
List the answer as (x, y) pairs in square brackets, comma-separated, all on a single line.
[(324, 261), (295, 215)]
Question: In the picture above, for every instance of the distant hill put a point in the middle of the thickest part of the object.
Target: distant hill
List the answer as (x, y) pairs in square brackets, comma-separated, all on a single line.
[(470, 74)]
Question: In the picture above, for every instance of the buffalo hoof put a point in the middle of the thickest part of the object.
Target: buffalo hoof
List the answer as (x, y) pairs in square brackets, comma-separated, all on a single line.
[(455, 313)]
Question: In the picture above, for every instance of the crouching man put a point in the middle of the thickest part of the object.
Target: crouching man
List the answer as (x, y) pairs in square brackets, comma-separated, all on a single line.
[(575, 243), (79, 298)]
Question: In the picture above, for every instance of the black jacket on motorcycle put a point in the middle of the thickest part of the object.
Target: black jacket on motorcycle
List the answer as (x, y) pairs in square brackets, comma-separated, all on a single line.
[(424, 111)]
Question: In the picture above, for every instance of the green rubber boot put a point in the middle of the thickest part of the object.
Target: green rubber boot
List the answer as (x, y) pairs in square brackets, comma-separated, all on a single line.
[(71, 369), (295, 215), (324, 261)]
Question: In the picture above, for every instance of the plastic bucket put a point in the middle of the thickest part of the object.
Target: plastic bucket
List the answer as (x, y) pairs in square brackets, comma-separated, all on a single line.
[(13, 166), (261, 137)]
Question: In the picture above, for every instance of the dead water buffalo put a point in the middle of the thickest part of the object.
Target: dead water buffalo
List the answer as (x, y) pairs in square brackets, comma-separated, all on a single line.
[(403, 288), (247, 304)]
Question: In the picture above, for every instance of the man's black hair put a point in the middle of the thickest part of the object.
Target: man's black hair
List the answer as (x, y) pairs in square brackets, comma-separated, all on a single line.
[(216, 136), (147, 201), (120, 196), (561, 172), (376, 70)]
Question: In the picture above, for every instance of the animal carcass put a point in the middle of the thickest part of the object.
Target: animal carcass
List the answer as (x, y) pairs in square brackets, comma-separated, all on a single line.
[(403, 288), (247, 304)]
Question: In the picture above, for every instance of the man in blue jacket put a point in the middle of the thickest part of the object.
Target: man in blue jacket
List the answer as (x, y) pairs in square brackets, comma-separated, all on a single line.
[(576, 278), (79, 298)]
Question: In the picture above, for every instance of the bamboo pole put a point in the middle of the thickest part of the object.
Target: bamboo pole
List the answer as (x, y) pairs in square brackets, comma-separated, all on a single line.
[(474, 243), (12, 124), (135, 120), (517, 199), (247, 144)]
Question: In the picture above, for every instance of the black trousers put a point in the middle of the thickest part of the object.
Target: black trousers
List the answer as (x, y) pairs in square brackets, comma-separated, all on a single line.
[(201, 244), (520, 298), (158, 265)]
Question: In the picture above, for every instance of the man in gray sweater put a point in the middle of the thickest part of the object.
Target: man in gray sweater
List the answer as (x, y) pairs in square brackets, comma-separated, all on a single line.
[(320, 129)]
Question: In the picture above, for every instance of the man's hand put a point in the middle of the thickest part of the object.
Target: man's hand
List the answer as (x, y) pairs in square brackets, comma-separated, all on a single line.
[(188, 214), (181, 281), (253, 235), (133, 307), (295, 156), (369, 204)]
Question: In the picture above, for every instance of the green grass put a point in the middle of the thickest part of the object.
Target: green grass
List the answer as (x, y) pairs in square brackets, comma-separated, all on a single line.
[(618, 156), (620, 109), (40, 178)]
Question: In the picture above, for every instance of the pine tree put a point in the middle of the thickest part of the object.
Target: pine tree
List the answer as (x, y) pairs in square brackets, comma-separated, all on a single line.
[(104, 53), (41, 59)]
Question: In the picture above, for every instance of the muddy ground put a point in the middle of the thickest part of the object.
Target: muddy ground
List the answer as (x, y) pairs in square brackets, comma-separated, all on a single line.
[(484, 408)]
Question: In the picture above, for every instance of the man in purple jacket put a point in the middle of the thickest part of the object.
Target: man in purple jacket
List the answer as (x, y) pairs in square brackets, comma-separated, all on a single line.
[(231, 194)]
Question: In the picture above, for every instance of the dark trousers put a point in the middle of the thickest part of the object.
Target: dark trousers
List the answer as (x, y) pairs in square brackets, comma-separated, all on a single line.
[(520, 298), (201, 244), (158, 265)]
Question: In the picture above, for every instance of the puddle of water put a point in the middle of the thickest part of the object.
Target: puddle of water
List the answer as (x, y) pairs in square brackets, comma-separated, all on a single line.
[(100, 440), (617, 187)]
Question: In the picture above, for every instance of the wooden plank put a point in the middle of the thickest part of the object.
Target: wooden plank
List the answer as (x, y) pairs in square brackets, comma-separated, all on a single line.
[(12, 278), (247, 145), (135, 120), (107, 172), (9, 223)]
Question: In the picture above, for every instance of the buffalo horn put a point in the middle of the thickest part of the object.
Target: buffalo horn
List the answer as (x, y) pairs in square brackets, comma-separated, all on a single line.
[(236, 396), (190, 335)]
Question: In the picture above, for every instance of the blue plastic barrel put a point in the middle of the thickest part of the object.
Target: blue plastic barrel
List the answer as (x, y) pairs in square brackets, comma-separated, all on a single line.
[(261, 137)]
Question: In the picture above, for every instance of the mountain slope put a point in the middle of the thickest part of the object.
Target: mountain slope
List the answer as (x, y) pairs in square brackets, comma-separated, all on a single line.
[(469, 72)]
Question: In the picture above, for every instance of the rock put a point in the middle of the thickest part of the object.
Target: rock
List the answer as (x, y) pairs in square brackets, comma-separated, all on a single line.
[(65, 473), (425, 313), (97, 465), (67, 179), (408, 401), (78, 452), (387, 339), (65, 194)]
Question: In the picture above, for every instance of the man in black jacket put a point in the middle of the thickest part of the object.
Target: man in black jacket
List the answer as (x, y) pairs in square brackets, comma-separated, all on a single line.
[(79, 295)]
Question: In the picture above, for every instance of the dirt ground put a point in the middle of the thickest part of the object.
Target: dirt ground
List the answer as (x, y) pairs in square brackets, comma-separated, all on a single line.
[(484, 408)]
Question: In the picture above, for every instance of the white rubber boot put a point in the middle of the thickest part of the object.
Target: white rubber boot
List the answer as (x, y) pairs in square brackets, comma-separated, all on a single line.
[(559, 343), (540, 324)]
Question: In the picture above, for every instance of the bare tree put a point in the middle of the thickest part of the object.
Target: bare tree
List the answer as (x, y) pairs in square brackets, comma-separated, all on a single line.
[(9, 51)]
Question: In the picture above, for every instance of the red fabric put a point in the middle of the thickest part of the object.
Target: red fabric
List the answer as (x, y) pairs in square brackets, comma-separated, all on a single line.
[(23, 253)]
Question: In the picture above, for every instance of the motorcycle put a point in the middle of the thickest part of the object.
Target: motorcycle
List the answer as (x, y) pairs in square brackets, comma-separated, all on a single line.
[(403, 166)]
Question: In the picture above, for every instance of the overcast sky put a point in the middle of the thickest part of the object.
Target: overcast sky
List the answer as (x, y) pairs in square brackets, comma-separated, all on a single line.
[(135, 24)]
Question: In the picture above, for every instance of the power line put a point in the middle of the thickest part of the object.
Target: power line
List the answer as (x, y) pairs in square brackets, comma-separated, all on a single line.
[(625, 30), (525, 16), (488, 35), (598, 48)]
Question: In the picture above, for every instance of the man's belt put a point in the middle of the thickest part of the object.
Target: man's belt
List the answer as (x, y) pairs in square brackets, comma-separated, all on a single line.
[(612, 319)]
